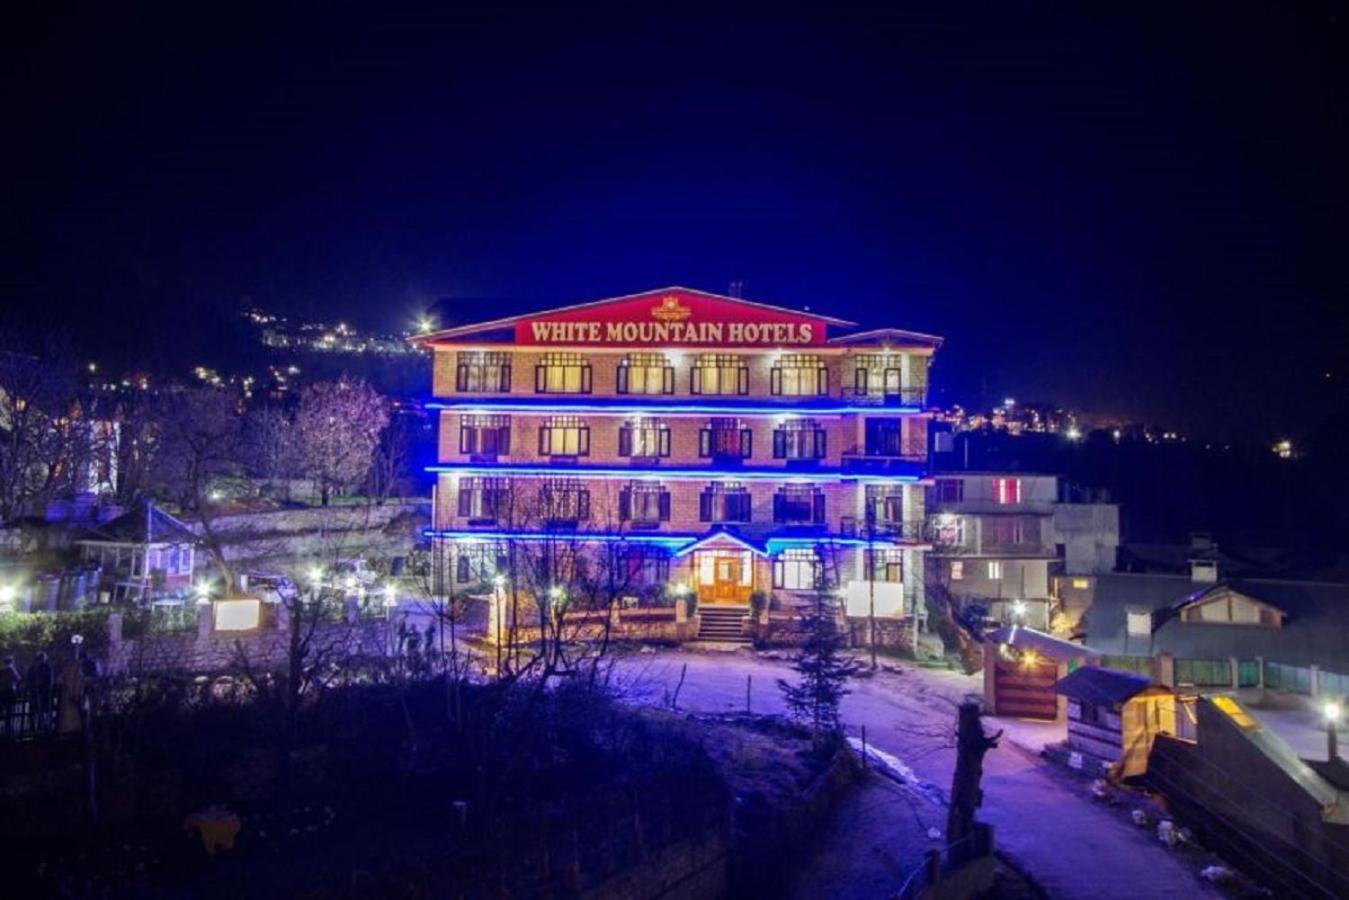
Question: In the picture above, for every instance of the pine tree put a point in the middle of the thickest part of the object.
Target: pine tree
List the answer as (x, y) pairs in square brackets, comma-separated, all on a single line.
[(823, 670)]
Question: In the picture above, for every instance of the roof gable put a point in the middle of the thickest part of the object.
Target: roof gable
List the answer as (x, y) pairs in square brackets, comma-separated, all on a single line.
[(1227, 605), (1096, 684), (672, 316), (144, 523)]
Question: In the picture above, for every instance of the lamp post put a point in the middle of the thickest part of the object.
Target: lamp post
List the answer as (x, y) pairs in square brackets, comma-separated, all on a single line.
[(1331, 712), (1019, 611)]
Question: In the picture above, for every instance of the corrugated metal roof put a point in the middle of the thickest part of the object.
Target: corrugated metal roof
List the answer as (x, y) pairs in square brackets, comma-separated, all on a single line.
[(1100, 685), (1045, 645)]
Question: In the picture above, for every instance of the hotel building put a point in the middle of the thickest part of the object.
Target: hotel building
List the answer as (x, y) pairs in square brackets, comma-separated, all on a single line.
[(702, 445)]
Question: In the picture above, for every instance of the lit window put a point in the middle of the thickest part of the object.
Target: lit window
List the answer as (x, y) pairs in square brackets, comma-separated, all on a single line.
[(482, 371), (799, 439), (564, 436), (1138, 622), (644, 502), (1081, 584), (995, 569), (562, 373), (878, 375), (644, 437), (796, 570), (481, 435), (885, 564), (718, 373), (643, 565), (799, 375), (645, 373), (884, 504), (1007, 491), (957, 570)]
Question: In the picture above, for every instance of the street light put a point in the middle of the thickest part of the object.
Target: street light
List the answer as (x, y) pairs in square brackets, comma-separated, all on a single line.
[(1018, 608), (315, 576), (1331, 712), (203, 593), (8, 593)]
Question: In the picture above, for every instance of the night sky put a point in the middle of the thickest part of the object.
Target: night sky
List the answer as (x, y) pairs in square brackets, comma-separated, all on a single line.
[(1140, 212)]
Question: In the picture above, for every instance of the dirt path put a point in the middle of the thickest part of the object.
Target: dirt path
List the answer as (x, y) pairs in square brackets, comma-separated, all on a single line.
[(1072, 847)]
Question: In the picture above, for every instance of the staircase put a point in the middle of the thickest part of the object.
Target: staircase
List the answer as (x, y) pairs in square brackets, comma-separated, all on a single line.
[(722, 624)]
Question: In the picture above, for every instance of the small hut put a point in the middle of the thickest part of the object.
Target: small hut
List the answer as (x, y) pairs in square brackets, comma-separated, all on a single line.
[(143, 553), (1113, 717)]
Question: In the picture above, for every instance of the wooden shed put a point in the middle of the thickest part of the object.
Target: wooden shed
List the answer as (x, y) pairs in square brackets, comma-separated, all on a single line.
[(1113, 717), (1021, 666)]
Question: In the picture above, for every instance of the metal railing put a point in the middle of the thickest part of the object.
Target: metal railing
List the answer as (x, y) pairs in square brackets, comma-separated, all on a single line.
[(909, 449), (908, 396), (882, 530)]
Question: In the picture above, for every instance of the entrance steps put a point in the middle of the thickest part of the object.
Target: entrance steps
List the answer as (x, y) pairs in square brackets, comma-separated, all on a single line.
[(722, 624)]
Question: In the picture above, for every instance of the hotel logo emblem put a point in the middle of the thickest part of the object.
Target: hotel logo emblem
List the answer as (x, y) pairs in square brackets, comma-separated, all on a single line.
[(670, 310)]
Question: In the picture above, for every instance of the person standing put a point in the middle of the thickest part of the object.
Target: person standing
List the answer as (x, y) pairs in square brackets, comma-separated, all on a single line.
[(39, 682), (10, 683)]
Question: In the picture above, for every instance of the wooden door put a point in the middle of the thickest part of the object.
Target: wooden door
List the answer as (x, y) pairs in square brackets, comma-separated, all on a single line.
[(726, 579), (1024, 688)]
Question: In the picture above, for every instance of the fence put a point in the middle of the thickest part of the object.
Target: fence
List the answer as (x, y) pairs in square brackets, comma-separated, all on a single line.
[(1218, 673), (960, 865), (27, 716)]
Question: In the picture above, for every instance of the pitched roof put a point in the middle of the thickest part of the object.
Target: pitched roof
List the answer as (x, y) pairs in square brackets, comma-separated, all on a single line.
[(1045, 645), (144, 523), (1314, 632), (880, 335), (1100, 685)]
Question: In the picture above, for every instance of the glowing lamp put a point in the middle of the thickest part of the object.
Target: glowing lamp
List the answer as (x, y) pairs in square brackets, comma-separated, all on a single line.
[(77, 639), (681, 589), (555, 592), (315, 576), (203, 593), (8, 593), (1331, 711), (1018, 608), (499, 581)]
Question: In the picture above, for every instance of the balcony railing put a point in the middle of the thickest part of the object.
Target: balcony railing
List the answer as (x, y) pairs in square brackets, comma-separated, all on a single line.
[(909, 396), (882, 529), (890, 454)]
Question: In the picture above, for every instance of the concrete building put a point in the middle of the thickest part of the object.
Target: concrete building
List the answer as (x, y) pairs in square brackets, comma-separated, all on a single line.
[(680, 441), (998, 538)]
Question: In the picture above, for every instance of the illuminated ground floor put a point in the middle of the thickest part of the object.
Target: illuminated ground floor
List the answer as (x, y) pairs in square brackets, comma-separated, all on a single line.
[(721, 569)]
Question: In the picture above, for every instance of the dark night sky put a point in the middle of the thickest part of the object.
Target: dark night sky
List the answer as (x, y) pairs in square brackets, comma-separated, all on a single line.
[(1140, 212)]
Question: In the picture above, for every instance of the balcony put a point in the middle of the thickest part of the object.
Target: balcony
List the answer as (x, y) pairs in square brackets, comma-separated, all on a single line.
[(883, 529), (909, 396), (883, 456)]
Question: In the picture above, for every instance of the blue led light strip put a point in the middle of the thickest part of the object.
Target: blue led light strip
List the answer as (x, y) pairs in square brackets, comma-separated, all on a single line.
[(783, 475), (683, 542), (627, 407)]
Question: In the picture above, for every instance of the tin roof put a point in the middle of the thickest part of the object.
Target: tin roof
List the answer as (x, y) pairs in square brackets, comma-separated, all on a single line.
[(1096, 684)]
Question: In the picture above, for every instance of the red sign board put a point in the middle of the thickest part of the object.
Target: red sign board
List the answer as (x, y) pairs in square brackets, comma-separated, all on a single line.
[(673, 318)]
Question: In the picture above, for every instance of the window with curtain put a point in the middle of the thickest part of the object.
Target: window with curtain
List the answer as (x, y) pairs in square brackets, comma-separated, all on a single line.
[(796, 570), (562, 373), (644, 502), (799, 439), (564, 436), (482, 435), (724, 502), (644, 437), (799, 375), (719, 373), (645, 373), (482, 371), (798, 504)]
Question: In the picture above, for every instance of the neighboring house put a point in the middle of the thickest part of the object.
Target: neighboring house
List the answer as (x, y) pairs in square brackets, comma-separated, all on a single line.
[(144, 553), (1021, 667), (998, 538), (1244, 632)]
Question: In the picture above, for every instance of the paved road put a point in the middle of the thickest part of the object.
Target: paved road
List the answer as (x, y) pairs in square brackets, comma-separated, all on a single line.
[(1073, 847)]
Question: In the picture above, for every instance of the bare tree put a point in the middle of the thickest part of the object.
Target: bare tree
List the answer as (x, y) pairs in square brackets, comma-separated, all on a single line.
[(40, 443), (391, 459), (338, 426), (269, 442)]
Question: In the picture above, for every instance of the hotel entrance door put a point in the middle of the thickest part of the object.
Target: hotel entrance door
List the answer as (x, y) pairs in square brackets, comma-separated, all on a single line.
[(725, 577)]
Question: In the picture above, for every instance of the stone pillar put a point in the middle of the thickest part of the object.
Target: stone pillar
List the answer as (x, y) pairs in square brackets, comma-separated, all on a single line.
[(1164, 669), (1260, 662), (681, 610), (496, 616), (204, 615), (1235, 671)]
